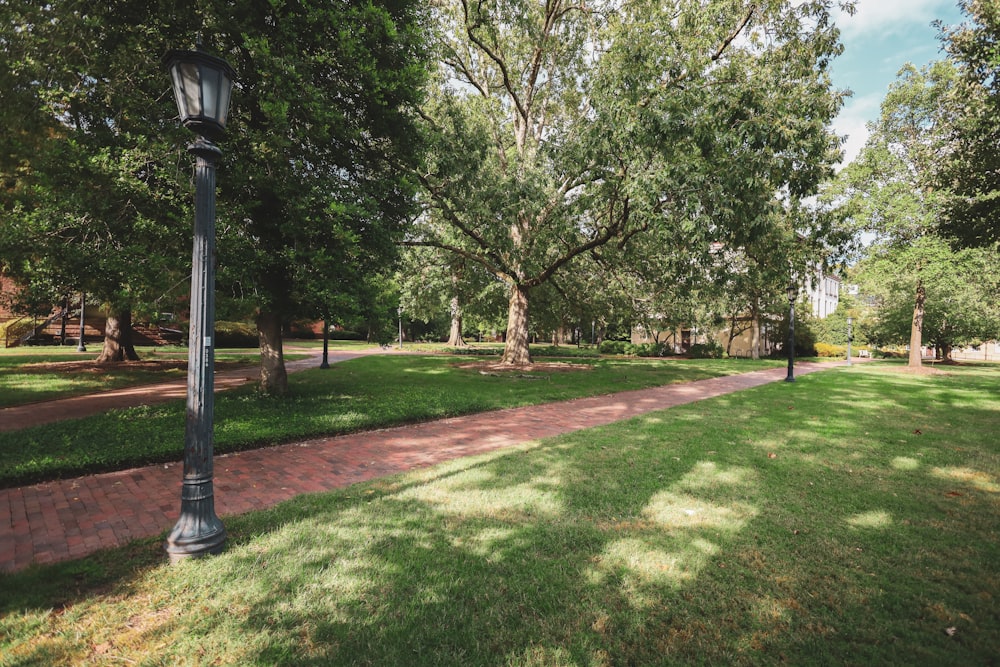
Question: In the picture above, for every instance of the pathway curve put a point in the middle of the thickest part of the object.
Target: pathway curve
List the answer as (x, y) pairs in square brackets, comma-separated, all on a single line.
[(71, 518)]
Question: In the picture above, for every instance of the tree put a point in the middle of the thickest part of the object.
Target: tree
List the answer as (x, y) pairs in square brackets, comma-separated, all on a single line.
[(562, 127), (322, 129), (312, 187), (89, 175), (960, 288), (971, 173), (889, 187)]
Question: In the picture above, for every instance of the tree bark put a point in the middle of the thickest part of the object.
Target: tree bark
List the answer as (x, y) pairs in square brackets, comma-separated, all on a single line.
[(455, 336), (755, 335), (273, 376), (917, 326), (118, 344), (516, 351)]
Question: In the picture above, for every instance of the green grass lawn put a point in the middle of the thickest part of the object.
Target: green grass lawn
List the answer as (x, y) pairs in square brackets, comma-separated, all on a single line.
[(850, 518), (365, 393), (26, 376)]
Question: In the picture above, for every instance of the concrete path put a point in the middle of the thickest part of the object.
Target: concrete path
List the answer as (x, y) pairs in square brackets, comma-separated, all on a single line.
[(71, 518)]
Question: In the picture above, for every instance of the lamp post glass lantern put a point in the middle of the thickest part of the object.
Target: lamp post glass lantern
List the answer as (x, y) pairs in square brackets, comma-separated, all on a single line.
[(202, 88), (792, 291)]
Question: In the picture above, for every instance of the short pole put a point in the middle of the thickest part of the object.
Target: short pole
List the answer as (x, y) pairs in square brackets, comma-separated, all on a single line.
[(849, 322), (791, 334), (80, 347), (326, 344)]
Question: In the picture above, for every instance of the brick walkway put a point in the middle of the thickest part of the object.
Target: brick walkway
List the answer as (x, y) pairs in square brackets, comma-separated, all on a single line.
[(71, 518)]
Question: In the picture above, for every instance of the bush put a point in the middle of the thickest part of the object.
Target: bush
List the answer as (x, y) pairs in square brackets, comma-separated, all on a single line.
[(706, 351), (612, 347), (345, 335), (828, 350), (236, 334)]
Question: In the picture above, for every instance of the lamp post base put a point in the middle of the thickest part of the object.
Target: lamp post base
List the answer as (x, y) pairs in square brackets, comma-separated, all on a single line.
[(198, 532), (194, 537)]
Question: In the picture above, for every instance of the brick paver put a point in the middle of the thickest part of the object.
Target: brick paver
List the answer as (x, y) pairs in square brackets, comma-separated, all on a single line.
[(70, 518)]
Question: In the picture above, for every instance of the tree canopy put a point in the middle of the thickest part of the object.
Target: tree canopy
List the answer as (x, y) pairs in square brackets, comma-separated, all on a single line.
[(971, 173), (312, 190), (557, 128)]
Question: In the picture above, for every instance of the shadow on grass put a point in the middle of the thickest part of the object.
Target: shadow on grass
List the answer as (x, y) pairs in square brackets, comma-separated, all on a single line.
[(785, 523)]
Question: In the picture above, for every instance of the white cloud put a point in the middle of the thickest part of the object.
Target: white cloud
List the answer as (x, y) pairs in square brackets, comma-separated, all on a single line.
[(852, 122), (886, 17)]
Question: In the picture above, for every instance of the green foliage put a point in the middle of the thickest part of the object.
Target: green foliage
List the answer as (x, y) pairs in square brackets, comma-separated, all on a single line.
[(560, 135), (612, 346), (970, 174), (828, 350), (711, 350), (961, 289), (235, 334)]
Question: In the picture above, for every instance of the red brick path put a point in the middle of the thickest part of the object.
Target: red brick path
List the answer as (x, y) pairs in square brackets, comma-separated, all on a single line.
[(71, 518)]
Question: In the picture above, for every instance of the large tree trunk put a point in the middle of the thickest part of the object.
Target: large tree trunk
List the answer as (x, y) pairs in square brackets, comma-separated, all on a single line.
[(755, 335), (516, 351), (273, 376), (455, 336), (118, 344), (917, 326)]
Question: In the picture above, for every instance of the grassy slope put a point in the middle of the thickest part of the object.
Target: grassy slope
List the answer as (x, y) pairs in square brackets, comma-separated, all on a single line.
[(849, 518)]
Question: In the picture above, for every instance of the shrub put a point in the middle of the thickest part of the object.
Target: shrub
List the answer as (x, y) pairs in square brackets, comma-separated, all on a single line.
[(706, 351), (236, 334), (613, 347), (828, 350)]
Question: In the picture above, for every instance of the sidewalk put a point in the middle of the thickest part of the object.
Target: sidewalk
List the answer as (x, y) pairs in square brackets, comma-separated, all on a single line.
[(71, 518)]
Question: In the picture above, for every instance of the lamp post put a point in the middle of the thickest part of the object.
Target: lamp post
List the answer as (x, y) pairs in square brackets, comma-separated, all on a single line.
[(326, 344), (849, 322), (399, 314), (202, 87), (792, 291), (80, 347)]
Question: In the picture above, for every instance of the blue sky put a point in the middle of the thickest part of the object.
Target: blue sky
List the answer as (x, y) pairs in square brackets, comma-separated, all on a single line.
[(878, 40)]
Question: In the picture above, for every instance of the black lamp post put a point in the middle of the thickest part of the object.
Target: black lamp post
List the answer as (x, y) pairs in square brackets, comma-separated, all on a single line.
[(849, 339), (792, 293), (202, 86), (80, 347), (326, 344), (399, 314)]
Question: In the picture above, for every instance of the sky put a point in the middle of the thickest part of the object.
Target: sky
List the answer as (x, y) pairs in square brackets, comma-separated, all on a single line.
[(879, 39)]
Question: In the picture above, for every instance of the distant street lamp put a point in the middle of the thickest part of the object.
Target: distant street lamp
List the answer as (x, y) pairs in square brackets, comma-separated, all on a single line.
[(849, 339), (326, 344), (80, 347), (202, 87), (399, 314), (792, 291)]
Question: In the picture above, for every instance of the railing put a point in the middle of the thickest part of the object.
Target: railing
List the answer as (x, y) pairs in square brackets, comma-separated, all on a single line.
[(17, 333), (13, 330)]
